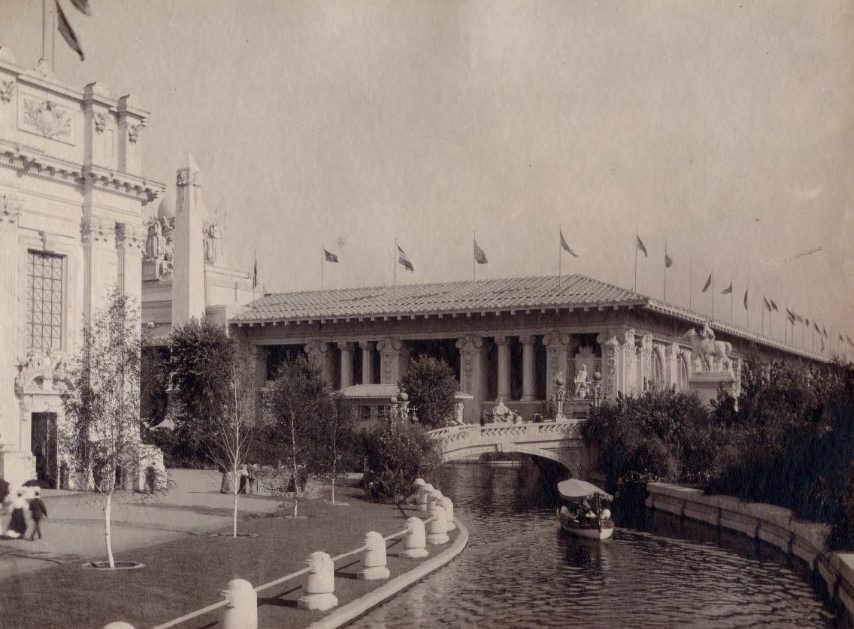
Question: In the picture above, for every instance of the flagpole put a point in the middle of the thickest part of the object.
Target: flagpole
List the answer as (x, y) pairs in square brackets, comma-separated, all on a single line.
[(559, 255), (322, 261), (731, 293), (691, 283), (664, 296), (395, 263), (636, 259), (747, 308), (713, 294), (473, 257)]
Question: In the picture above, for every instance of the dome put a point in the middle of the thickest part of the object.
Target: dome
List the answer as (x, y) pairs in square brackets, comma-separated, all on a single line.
[(166, 209)]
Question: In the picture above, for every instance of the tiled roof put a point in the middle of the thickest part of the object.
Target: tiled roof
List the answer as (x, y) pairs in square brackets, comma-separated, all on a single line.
[(444, 297)]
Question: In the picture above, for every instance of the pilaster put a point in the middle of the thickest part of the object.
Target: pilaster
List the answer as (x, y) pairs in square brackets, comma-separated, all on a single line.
[(557, 345), (99, 125), (131, 122), (129, 245), (188, 265), (321, 358), (100, 261), (10, 413), (393, 357), (644, 362), (671, 365)]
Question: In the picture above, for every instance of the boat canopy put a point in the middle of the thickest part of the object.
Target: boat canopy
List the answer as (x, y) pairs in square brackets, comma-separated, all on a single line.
[(573, 488)]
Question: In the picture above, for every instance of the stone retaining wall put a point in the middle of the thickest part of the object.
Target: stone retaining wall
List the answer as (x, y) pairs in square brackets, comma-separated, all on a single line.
[(768, 523)]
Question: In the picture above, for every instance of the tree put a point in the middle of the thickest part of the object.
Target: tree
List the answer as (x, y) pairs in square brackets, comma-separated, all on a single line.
[(102, 426), (431, 385), (397, 453), (214, 383), (304, 414)]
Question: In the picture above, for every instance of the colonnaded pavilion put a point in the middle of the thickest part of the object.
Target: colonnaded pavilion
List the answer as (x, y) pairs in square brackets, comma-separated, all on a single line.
[(507, 340)]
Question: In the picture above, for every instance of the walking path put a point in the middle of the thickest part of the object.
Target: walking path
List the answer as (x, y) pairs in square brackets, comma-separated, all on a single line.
[(43, 584)]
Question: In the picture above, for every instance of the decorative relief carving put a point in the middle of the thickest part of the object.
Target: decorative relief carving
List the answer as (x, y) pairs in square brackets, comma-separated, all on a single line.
[(129, 236), (10, 209), (188, 177), (100, 120), (47, 119), (42, 373), (7, 90), (213, 234), (133, 131), (94, 230)]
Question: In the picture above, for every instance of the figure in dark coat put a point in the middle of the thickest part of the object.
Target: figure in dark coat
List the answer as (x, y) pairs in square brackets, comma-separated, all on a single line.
[(18, 523), (38, 511)]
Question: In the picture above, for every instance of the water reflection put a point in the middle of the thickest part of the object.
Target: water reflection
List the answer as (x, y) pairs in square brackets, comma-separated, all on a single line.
[(521, 571)]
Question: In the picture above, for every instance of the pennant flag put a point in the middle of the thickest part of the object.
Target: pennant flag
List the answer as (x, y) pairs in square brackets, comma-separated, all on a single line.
[(82, 6), (774, 306), (403, 259), (822, 343), (668, 261), (642, 247), (824, 331), (255, 274), (767, 304), (708, 283), (727, 290), (791, 316), (745, 299), (329, 256), (807, 322), (479, 254), (67, 32), (815, 326), (565, 245), (798, 317)]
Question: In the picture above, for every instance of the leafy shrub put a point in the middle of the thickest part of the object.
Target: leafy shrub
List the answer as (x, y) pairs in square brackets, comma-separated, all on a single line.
[(431, 385), (396, 453)]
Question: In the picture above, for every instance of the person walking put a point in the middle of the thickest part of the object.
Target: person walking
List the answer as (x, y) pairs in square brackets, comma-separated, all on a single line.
[(18, 523), (38, 511)]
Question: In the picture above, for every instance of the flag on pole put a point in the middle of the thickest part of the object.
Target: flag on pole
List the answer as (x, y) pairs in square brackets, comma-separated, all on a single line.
[(565, 245), (708, 283), (67, 32), (824, 331), (822, 342), (255, 274), (329, 256), (745, 298), (404, 260), (815, 326), (727, 290), (642, 247), (479, 254), (767, 304), (774, 306), (791, 316), (82, 6), (668, 261)]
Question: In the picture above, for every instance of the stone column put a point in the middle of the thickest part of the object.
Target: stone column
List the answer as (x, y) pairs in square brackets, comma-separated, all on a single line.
[(671, 365), (392, 360), (260, 360), (618, 354), (321, 358), (645, 362), (557, 344), (367, 362), (10, 264), (129, 243), (346, 349), (527, 367), (99, 255), (503, 345)]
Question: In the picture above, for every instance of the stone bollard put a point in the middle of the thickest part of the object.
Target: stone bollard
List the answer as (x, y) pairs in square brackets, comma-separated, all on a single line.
[(118, 625), (424, 498), (374, 559), (414, 544), (320, 585), (434, 497), (438, 527), (241, 612), (448, 506)]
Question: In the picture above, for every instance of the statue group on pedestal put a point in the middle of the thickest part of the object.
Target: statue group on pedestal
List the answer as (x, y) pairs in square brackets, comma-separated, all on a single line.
[(708, 354), (159, 244)]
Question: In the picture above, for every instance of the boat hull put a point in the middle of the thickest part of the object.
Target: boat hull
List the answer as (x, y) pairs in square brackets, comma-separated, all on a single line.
[(603, 531)]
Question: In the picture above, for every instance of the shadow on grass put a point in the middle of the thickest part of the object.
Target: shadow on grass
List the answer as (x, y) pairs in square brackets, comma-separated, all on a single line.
[(279, 601)]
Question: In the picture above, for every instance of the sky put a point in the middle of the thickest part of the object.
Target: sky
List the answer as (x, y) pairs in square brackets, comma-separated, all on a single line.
[(723, 128)]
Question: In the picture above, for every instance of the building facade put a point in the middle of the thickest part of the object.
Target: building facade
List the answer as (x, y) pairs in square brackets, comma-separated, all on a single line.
[(509, 340), (72, 205)]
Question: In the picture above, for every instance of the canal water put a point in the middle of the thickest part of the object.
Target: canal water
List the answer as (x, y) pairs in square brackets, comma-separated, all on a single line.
[(520, 570)]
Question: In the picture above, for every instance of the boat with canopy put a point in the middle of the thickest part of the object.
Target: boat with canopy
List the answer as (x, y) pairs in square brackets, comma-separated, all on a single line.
[(584, 511)]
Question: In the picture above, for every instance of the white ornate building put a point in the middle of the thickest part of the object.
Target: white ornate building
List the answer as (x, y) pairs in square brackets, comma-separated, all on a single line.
[(72, 205)]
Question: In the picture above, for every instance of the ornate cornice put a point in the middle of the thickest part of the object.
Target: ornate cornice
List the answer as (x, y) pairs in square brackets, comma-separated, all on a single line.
[(32, 164)]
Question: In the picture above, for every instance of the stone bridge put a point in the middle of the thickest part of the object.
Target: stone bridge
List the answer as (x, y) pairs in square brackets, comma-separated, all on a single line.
[(556, 441)]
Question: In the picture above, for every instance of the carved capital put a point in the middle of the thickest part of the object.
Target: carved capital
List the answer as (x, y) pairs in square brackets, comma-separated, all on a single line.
[(94, 230), (526, 339), (502, 340), (555, 339), (366, 345), (10, 210), (7, 90), (187, 177), (134, 130), (389, 346), (345, 346), (100, 121), (469, 344), (129, 237)]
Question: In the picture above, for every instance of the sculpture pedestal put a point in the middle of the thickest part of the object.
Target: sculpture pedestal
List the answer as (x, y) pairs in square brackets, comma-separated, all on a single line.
[(17, 467), (705, 384)]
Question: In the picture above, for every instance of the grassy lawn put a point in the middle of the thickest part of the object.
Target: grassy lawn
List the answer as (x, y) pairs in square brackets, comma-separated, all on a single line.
[(189, 573)]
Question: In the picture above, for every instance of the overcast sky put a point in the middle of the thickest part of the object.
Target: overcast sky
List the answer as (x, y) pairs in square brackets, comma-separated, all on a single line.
[(722, 127)]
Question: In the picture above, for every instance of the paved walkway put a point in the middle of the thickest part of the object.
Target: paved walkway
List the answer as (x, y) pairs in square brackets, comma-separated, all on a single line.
[(74, 530)]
